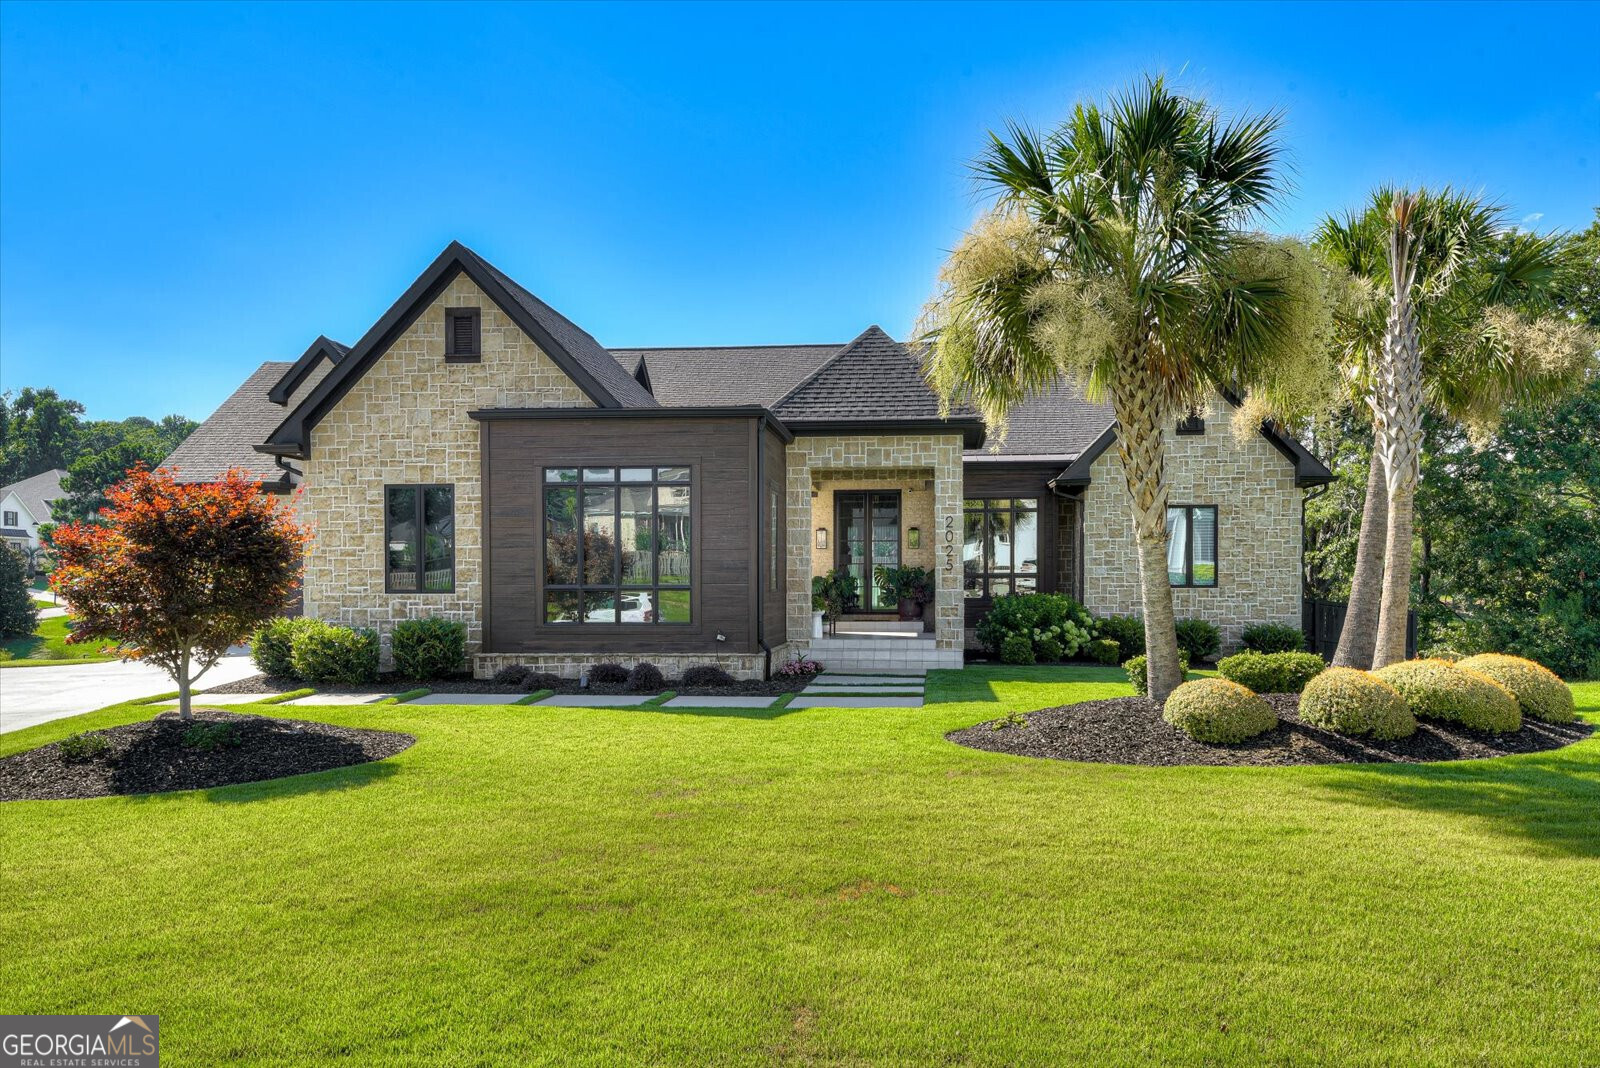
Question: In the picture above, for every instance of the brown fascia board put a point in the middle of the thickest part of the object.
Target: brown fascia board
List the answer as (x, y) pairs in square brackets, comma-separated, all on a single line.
[(293, 436), (743, 411), (972, 431), (324, 346)]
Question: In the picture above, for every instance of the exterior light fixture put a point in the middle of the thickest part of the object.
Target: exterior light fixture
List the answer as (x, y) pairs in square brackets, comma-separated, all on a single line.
[(913, 537), (822, 537)]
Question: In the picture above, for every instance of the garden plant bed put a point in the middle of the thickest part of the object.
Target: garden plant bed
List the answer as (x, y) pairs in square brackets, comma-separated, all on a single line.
[(1130, 730), (150, 757), (388, 684)]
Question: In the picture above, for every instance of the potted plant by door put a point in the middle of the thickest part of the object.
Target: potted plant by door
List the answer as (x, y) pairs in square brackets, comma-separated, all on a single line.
[(911, 587), (832, 595)]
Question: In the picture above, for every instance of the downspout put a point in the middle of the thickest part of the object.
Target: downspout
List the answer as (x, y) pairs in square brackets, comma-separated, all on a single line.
[(755, 517)]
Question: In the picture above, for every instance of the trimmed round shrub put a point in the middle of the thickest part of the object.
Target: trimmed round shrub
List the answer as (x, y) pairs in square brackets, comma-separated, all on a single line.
[(1539, 691), (608, 674), (644, 678), (1035, 618), (326, 653), (1272, 672), (1218, 711), (707, 675), (272, 646), (1016, 649), (541, 680), (511, 675), (1436, 689), (1273, 638), (1126, 631), (1137, 677), (430, 648), (1356, 703), (1199, 639), (1047, 649), (1104, 651)]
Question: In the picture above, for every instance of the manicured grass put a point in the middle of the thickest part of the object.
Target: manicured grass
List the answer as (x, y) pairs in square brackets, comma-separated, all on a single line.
[(533, 885), (49, 643)]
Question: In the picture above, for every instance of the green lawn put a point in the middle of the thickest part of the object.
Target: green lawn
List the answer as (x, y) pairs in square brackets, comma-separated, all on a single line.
[(48, 645), (555, 886)]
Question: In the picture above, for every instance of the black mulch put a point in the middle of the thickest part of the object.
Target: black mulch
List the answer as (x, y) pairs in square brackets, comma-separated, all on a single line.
[(1130, 730), (467, 684), (150, 757)]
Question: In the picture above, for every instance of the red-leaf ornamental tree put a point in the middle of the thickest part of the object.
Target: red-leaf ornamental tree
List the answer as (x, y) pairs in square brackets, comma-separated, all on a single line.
[(179, 572)]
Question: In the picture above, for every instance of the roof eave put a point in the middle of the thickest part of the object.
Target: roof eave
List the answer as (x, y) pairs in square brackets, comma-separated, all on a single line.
[(972, 431)]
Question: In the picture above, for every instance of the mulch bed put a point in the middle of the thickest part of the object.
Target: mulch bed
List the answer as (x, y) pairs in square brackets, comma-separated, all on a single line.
[(1130, 730), (467, 684), (150, 757)]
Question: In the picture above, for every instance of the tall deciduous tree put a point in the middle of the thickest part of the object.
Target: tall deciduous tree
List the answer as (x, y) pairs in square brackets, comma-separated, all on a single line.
[(177, 573), (1118, 253)]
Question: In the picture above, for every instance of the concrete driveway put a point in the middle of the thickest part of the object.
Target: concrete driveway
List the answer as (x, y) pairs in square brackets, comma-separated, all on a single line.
[(29, 696)]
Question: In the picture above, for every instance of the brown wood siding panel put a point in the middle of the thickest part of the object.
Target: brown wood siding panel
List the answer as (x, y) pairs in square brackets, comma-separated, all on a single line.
[(774, 605), (717, 450)]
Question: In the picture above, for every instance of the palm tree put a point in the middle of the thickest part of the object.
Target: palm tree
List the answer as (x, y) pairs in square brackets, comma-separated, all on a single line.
[(1116, 253), (1441, 333)]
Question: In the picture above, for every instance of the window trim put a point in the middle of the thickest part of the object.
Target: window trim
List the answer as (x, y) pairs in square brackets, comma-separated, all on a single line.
[(422, 553), (10, 519), (655, 586), (1037, 574), (451, 353), (1188, 548)]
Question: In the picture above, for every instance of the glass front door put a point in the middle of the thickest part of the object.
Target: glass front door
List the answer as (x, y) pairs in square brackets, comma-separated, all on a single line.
[(868, 525)]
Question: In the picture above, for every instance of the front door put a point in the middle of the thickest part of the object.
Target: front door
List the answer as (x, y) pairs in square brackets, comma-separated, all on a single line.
[(868, 523)]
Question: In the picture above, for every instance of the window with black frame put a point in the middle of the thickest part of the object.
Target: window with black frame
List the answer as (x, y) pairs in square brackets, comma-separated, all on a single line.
[(420, 539), (1000, 547), (618, 545), (1192, 545)]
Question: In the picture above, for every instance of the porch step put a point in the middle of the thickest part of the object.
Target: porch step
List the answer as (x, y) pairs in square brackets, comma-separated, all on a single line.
[(845, 627), (882, 654)]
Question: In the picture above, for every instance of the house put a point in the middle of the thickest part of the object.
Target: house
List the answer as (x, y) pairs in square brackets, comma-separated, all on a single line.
[(25, 506), (478, 456)]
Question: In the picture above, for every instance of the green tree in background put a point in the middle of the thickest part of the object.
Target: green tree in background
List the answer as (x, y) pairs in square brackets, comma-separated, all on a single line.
[(38, 432), (109, 450)]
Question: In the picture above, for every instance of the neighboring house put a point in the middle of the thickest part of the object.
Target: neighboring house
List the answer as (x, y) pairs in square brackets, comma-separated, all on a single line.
[(25, 506), (450, 458)]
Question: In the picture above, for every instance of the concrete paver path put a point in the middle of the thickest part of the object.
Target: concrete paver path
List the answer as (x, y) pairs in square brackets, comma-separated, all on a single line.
[(34, 695)]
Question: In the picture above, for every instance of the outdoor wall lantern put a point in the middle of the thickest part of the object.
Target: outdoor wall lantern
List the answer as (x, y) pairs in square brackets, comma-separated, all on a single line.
[(913, 537), (822, 537)]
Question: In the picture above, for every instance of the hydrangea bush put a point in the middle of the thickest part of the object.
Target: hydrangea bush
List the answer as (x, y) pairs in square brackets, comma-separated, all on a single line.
[(1029, 627)]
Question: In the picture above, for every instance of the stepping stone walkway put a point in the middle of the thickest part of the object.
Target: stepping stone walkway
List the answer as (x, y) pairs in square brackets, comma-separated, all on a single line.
[(467, 699), (596, 700), (862, 691), (719, 702), (340, 699)]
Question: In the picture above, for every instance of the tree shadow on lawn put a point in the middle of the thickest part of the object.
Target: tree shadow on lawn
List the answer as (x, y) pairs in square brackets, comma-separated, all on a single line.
[(338, 780), (1550, 800)]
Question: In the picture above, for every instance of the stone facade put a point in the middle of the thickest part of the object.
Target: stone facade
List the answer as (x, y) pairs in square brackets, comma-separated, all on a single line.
[(821, 463), (1258, 530), (405, 423), (746, 666)]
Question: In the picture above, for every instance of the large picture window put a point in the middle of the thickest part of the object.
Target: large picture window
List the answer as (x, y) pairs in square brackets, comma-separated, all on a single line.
[(420, 539), (1192, 545), (1000, 549), (617, 545)]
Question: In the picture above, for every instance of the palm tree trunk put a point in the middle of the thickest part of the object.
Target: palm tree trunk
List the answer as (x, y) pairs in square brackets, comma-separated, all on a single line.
[(1359, 638), (1136, 402), (1396, 607)]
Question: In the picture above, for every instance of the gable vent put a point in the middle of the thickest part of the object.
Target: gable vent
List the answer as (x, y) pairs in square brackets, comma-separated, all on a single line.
[(461, 334)]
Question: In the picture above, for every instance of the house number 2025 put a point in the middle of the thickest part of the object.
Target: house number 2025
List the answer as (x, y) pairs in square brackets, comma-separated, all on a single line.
[(949, 546)]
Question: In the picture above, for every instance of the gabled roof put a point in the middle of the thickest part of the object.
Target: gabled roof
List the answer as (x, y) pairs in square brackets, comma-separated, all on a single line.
[(723, 375), (324, 348), (36, 492), (1056, 424), (228, 438), (594, 370)]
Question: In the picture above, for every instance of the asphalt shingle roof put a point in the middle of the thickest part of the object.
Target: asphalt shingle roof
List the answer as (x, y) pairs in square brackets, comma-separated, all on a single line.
[(1058, 423), (36, 492), (725, 376), (874, 377), (228, 438)]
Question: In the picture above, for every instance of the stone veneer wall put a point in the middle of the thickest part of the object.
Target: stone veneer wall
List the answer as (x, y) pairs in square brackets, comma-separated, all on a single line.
[(405, 423), (814, 459), (746, 666), (1258, 530)]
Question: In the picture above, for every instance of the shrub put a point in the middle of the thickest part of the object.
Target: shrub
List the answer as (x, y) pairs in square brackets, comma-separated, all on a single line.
[(209, 737), (1126, 631), (1199, 639), (1032, 618), (272, 647), (707, 675), (1016, 649), (428, 648), (1539, 691), (326, 653), (81, 748), (1273, 638), (608, 674), (1272, 672), (1435, 689), (797, 668), (534, 681), (644, 678), (18, 615), (511, 675), (1136, 672), (1218, 711), (1104, 651), (1357, 703), (1047, 650)]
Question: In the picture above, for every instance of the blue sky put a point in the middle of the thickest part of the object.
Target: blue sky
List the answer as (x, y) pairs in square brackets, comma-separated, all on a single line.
[(186, 191)]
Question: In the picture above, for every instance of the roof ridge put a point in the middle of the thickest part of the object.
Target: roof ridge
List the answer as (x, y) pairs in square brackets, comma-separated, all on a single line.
[(829, 362), (707, 348)]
